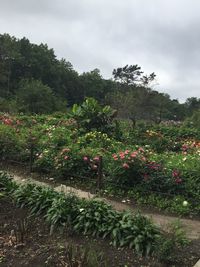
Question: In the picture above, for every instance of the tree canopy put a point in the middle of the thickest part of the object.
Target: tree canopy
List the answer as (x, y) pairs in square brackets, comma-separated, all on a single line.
[(30, 72)]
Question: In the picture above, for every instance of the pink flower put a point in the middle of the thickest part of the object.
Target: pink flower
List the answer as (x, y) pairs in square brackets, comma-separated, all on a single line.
[(122, 156), (134, 155), (125, 166), (66, 157), (175, 173), (8, 121), (178, 180), (96, 158), (85, 158), (126, 152)]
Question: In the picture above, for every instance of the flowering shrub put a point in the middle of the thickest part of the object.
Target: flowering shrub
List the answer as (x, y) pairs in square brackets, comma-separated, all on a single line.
[(12, 145), (75, 161), (126, 167), (97, 139), (156, 158)]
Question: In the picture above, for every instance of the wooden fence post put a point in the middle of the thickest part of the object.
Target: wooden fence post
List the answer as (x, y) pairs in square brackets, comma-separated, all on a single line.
[(100, 174)]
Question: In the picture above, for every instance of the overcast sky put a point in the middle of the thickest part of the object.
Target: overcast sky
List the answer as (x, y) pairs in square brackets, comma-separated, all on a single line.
[(161, 36)]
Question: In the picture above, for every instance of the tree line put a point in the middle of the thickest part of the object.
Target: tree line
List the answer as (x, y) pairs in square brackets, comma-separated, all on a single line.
[(34, 80)]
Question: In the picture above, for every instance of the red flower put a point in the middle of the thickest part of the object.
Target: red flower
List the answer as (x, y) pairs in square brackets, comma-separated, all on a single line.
[(175, 173)]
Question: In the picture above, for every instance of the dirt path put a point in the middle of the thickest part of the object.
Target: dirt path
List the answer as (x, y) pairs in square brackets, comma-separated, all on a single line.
[(191, 227)]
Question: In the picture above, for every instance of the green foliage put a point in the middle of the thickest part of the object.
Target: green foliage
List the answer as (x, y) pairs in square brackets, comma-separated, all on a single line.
[(99, 219), (159, 159), (168, 244), (84, 257), (88, 217), (11, 144), (35, 97), (63, 210), (91, 116), (195, 119), (8, 105), (6, 183)]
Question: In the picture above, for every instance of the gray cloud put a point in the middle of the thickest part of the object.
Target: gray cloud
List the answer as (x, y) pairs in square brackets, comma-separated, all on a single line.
[(160, 36)]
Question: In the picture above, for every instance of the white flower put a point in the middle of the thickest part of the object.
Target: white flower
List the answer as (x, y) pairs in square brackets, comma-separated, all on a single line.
[(185, 203), (123, 201), (81, 210)]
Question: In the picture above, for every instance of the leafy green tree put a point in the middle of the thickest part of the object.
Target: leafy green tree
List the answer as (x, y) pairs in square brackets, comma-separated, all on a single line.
[(93, 85), (8, 55), (35, 97), (132, 75), (90, 115), (128, 74), (195, 119), (192, 104)]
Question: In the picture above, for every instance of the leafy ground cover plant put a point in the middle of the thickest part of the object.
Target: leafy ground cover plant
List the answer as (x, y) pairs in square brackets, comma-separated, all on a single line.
[(88, 217)]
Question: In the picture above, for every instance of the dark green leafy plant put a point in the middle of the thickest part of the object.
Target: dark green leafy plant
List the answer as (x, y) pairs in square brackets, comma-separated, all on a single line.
[(83, 257), (63, 210), (92, 217), (91, 116), (7, 185), (170, 242)]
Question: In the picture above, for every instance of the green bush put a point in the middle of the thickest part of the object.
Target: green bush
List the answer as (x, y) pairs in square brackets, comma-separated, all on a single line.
[(87, 217)]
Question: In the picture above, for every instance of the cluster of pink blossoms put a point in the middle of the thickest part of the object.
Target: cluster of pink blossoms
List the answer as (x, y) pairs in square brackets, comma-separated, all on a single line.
[(93, 163), (177, 176), (129, 157), (9, 121)]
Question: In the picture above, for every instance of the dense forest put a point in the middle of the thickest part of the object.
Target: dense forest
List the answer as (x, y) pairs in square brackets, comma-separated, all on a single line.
[(34, 80)]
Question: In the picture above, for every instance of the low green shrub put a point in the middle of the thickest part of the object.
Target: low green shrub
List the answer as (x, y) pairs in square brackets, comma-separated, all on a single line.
[(88, 217)]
